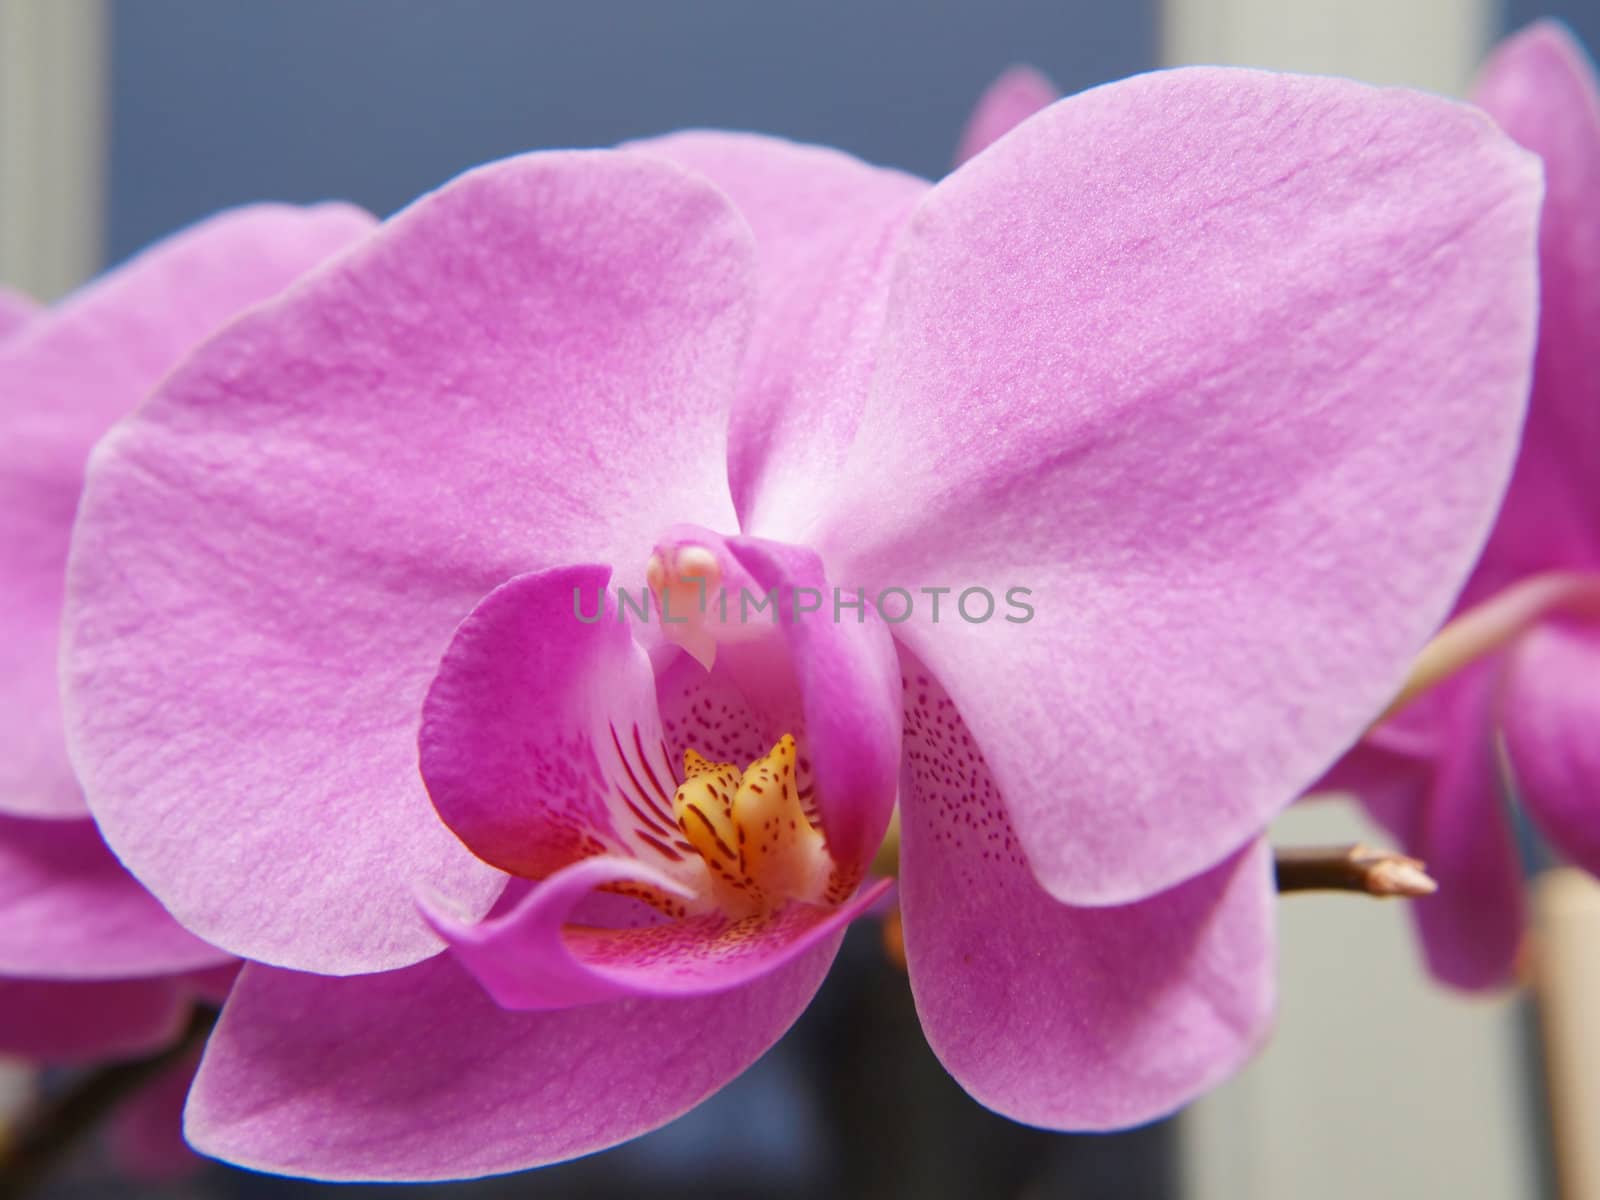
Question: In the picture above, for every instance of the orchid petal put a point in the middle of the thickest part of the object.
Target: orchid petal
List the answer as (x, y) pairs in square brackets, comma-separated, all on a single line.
[(1391, 788), (1542, 90), (1550, 714), (418, 1074), (1383, 779), (530, 366), (72, 372), (1065, 1017), (1391, 769), (51, 1021), (540, 729), (69, 910), (1010, 100), (824, 226), (1429, 777), (1448, 810), (1227, 367), (533, 957), (1472, 926)]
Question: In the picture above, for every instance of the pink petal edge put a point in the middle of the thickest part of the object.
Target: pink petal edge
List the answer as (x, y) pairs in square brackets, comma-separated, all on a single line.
[(1549, 711), (1243, 473), (71, 372), (1542, 89), (70, 910), (1063, 1017), (417, 1074), (359, 454)]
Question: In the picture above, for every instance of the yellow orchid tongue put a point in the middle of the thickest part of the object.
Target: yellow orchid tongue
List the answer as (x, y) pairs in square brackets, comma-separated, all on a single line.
[(752, 831)]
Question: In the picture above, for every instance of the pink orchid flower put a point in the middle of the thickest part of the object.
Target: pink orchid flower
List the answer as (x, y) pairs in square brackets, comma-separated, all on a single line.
[(1433, 774), (91, 966), (1017, 94), (1225, 368)]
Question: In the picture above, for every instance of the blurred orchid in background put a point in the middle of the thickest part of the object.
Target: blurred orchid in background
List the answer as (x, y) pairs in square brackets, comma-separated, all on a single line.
[(1011, 99), (1520, 666), (1226, 367), (91, 966)]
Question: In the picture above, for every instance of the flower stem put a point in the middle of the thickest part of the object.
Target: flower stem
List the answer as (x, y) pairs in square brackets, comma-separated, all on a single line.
[(1486, 628), (41, 1137), (1356, 868)]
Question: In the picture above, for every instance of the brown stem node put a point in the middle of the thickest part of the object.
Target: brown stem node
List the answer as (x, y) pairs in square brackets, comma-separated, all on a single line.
[(1358, 868)]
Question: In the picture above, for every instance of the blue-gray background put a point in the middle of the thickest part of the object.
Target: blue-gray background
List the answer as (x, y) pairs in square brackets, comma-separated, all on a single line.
[(216, 102), (220, 101)]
